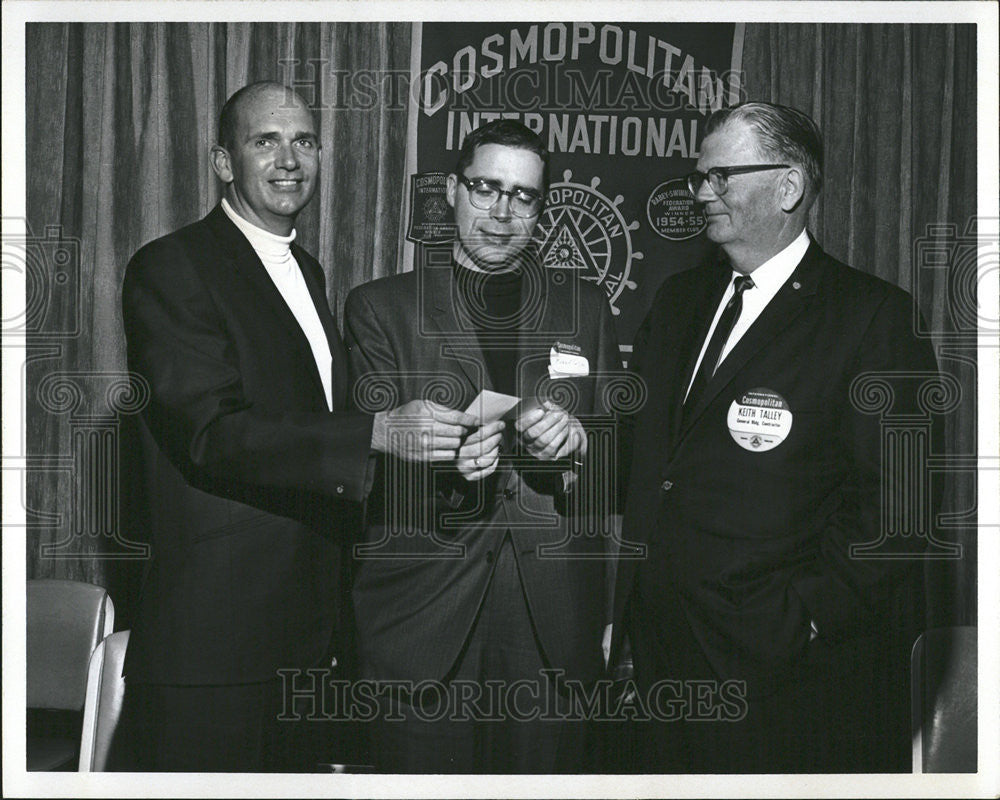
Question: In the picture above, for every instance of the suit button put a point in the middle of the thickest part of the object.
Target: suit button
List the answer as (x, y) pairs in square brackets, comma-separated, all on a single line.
[(340, 490), (667, 486), (489, 557), (508, 494)]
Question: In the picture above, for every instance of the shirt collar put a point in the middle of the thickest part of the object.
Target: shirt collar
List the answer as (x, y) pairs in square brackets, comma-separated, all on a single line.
[(772, 274), (261, 239)]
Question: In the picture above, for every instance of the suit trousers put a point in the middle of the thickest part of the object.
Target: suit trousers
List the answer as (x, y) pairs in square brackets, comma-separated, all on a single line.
[(816, 722), (225, 729), (499, 710)]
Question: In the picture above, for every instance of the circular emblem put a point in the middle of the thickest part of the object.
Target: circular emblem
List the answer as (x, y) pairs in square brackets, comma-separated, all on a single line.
[(435, 209), (582, 229), (760, 420), (673, 213)]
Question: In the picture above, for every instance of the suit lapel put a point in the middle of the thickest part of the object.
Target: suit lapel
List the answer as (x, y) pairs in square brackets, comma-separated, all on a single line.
[(541, 317), (703, 307), (781, 312), (462, 345), (316, 283), (249, 267)]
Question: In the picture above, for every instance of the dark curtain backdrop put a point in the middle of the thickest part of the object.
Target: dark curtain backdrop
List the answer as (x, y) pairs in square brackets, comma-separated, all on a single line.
[(119, 117), (119, 121), (897, 107)]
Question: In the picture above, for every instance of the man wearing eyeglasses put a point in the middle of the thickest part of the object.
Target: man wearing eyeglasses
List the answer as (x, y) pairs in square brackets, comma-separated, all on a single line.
[(777, 643), (485, 595)]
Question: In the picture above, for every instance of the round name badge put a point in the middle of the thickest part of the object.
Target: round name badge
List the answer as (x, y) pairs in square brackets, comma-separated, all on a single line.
[(760, 420)]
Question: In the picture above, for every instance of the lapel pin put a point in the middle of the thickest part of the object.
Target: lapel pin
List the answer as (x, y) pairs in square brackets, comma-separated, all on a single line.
[(796, 285)]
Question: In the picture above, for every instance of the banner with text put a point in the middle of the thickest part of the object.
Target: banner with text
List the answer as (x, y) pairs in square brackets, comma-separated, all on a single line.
[(621, 108)]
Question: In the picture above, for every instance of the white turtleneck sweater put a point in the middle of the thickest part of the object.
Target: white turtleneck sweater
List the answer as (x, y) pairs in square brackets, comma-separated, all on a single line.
[(275, 252)]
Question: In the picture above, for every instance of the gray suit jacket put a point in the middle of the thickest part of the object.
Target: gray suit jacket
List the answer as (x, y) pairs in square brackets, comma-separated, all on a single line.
[(431, 536)]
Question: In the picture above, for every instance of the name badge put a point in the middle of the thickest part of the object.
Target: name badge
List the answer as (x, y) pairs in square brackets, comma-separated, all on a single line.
[(567, 361), (760, 420)]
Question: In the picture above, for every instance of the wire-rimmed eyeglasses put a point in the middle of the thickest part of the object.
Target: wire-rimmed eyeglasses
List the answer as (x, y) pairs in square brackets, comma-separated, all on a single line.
[(718, 177), (484, 194)]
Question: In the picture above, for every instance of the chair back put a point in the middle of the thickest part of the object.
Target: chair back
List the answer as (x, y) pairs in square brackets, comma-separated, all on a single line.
[(944, 666), (66, 621), (103, 707)]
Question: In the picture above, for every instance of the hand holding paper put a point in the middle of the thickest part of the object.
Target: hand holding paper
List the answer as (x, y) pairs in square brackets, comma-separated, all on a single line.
[(551, 433), (479, 455), (491, 406), (420, 431)]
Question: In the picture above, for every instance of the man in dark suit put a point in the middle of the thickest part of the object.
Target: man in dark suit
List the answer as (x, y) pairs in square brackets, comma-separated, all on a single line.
[(255, 465), (483, 587), (756, 482)]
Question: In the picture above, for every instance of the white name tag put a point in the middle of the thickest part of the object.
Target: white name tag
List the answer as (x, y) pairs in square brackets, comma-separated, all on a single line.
[(760, 420), (567, 365)]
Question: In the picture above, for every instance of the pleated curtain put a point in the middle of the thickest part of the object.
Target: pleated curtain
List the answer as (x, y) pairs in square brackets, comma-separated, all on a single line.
[(120, 116)]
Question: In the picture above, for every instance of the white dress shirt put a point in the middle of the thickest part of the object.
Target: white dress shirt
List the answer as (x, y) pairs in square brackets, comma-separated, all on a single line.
[(275, 252), (768, 278)]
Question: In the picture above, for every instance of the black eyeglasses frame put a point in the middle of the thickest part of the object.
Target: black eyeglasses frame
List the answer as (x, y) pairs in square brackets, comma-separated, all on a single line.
[(470, 184), (718, 177)]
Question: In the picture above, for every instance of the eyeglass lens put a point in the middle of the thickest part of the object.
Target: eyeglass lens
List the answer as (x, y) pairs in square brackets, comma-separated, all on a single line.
[(485, 195), (716, 180)]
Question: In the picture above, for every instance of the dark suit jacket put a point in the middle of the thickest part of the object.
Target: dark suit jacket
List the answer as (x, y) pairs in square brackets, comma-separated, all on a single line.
[(415, 595), (253, 481), (757, 543)]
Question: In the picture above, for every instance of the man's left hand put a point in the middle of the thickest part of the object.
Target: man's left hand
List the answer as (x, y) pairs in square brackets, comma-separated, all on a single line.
[(550, 433)]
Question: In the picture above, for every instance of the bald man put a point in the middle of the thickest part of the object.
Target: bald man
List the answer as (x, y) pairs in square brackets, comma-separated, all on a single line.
[(255, 466)]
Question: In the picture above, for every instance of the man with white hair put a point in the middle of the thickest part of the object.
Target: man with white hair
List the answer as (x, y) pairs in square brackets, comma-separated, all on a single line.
[(753, 477)]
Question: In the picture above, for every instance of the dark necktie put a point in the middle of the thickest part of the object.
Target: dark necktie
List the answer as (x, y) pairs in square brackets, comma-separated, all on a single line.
[(727, 321)]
